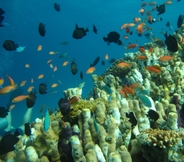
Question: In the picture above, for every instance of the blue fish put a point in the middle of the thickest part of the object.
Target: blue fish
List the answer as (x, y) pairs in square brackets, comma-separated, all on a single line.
[(95, 124), (20, 49), (145, 100), (46, 121)]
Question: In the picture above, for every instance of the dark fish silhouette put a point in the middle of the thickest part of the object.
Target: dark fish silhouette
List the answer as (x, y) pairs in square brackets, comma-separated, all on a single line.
[(161, 9), (95, 29), (103, 62), (3, 112), (74, 68), (132, 118), (180, 21), (64, 106), (78, 33), (112, 60), (41, 29), (168, 24), (30, 101), (171, 43), (1, 20), (113, 37), (27, 129), (57, 7), (42, 88), (81, 75), (95, 62), (2, 11), (9, 45), (153, 115), (8, 141), (1, 17)]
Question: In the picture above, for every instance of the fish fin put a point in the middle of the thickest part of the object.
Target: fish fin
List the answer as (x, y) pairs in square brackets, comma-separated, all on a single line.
[(105, 39), (87, 30), (76, 26)]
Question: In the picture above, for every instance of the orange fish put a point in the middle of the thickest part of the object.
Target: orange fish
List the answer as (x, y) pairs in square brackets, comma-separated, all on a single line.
[(20, 98), (107, 56), (90, 70), (129, 90), (23, 83), (141, 49), (141, 11), (143, 58), (39, 48), (12, 83), (137, 19), (6, 89), (152, 3), (11, 107), (55, 68), (124, 64), (168, 2), (151, 49), (40, 76), (143, 4), (123, 26), (122, 93), (49, 61), (125, 36), (30, 89), (27, 66), (131, 46), (54, 85), (1, 82), (154, 68), (131, 25), (53, 53), (165, 58), (65, 63)]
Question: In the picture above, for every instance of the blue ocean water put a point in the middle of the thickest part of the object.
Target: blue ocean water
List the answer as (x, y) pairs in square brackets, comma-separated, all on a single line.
[(21, 25)]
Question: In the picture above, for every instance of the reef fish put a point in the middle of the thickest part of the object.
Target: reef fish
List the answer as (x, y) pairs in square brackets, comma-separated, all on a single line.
[(171, 43), (41, 29), (42, 88), (1, 20), (95, 29), (46, 123), (10, 45), (20, 98), (8, 141), (165, 58), (3, 112), (27, 129), (132, 118), (30, 101), (81, 75), (180, 21), (57, 7), (95, 62), (79, 33), (74, 68), (20, 49), (161, 9), (1, 17), (113, 37)]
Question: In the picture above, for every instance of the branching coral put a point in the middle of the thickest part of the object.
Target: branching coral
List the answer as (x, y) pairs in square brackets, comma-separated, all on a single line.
[(81, 104), (163, 138)]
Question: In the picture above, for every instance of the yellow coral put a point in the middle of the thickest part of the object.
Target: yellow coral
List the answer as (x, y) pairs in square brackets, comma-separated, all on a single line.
[(87, 104)]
